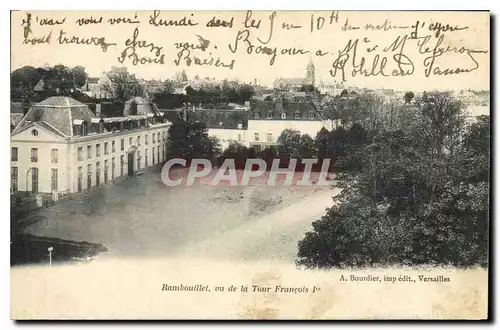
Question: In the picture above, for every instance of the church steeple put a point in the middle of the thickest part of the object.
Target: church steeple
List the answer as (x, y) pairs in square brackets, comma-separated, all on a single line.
[(310, 72)]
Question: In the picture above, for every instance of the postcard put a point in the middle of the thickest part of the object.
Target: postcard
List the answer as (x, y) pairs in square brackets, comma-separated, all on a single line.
[(249, 165)]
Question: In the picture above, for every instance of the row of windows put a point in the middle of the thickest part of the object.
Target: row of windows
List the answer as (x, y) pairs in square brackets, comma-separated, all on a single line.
[(54, 155), (158, 155), (269, 137), (156, 159), (155, 137), (14, 177), (296, 115)]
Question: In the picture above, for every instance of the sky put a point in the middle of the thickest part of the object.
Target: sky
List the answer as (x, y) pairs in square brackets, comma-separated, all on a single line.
[(331, 32)]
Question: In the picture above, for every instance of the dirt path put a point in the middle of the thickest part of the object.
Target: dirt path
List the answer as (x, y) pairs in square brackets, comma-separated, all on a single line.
[(272, 237)]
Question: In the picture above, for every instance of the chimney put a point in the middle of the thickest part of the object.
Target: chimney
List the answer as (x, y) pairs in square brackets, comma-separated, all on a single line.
[(98, 110)]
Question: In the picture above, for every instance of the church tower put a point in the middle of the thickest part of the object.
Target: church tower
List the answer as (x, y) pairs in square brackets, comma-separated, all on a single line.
[(310, 72)]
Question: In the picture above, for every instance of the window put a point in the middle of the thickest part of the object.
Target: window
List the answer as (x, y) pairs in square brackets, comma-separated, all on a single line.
[(122, 144), (84, 128), (154, 138), (153, 155), (54, 179), (113, 149), (98, 173), (106, 171), (80, 154), (164, 134), (113, 165), (163, 153), (80, 179), (256, 136), (54, 156), (256, 115), (34, 155), (106, 149), (239, 136), (89, 152), (297, 115), (14, 178), (138, 160), (283, 115), (311, 115), (269, 115), (89, 176), (269, 137), (138, 141), (34, 132), (130, 141), (98, 150), (34, 180), (146, 158), (101, 127), (146, 140), (14, 154), (158, 137), (158, 154), (122, 164)]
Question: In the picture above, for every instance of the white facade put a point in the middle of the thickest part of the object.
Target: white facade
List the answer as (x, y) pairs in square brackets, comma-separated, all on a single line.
[(266, 132), (226, 136), (76, 168)]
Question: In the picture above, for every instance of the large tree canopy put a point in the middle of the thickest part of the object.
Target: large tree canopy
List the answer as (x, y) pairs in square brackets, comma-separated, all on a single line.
[(420, 196), (60, 77)]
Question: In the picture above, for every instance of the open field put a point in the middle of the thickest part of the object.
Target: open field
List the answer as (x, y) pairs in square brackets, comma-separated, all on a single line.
[(142, 217)]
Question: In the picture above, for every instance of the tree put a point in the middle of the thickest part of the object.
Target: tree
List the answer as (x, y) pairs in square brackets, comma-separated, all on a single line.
[(79, 76), (289, 143), (190, 139), (123, 88), (408, 97), (420, 197), (307, 147), (245, 93), (57, 80), (168, 87)]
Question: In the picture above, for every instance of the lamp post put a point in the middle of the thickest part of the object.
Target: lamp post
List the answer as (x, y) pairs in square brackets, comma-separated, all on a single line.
[(50, 255)]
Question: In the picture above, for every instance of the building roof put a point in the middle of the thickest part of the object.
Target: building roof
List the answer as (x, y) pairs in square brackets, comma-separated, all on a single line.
[(57, 112), (40, 86), (289, 107), (140, 106), (290, 81)]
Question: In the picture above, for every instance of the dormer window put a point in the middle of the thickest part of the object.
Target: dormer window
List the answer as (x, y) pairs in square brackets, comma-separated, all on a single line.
[(84, 128), (283, 115), (296, 115), (269, 115), (34, 132), (80, 127), (311, 115), (256, 115)]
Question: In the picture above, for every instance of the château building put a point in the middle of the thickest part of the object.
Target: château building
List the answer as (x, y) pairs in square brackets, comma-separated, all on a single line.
[(62, 147)]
